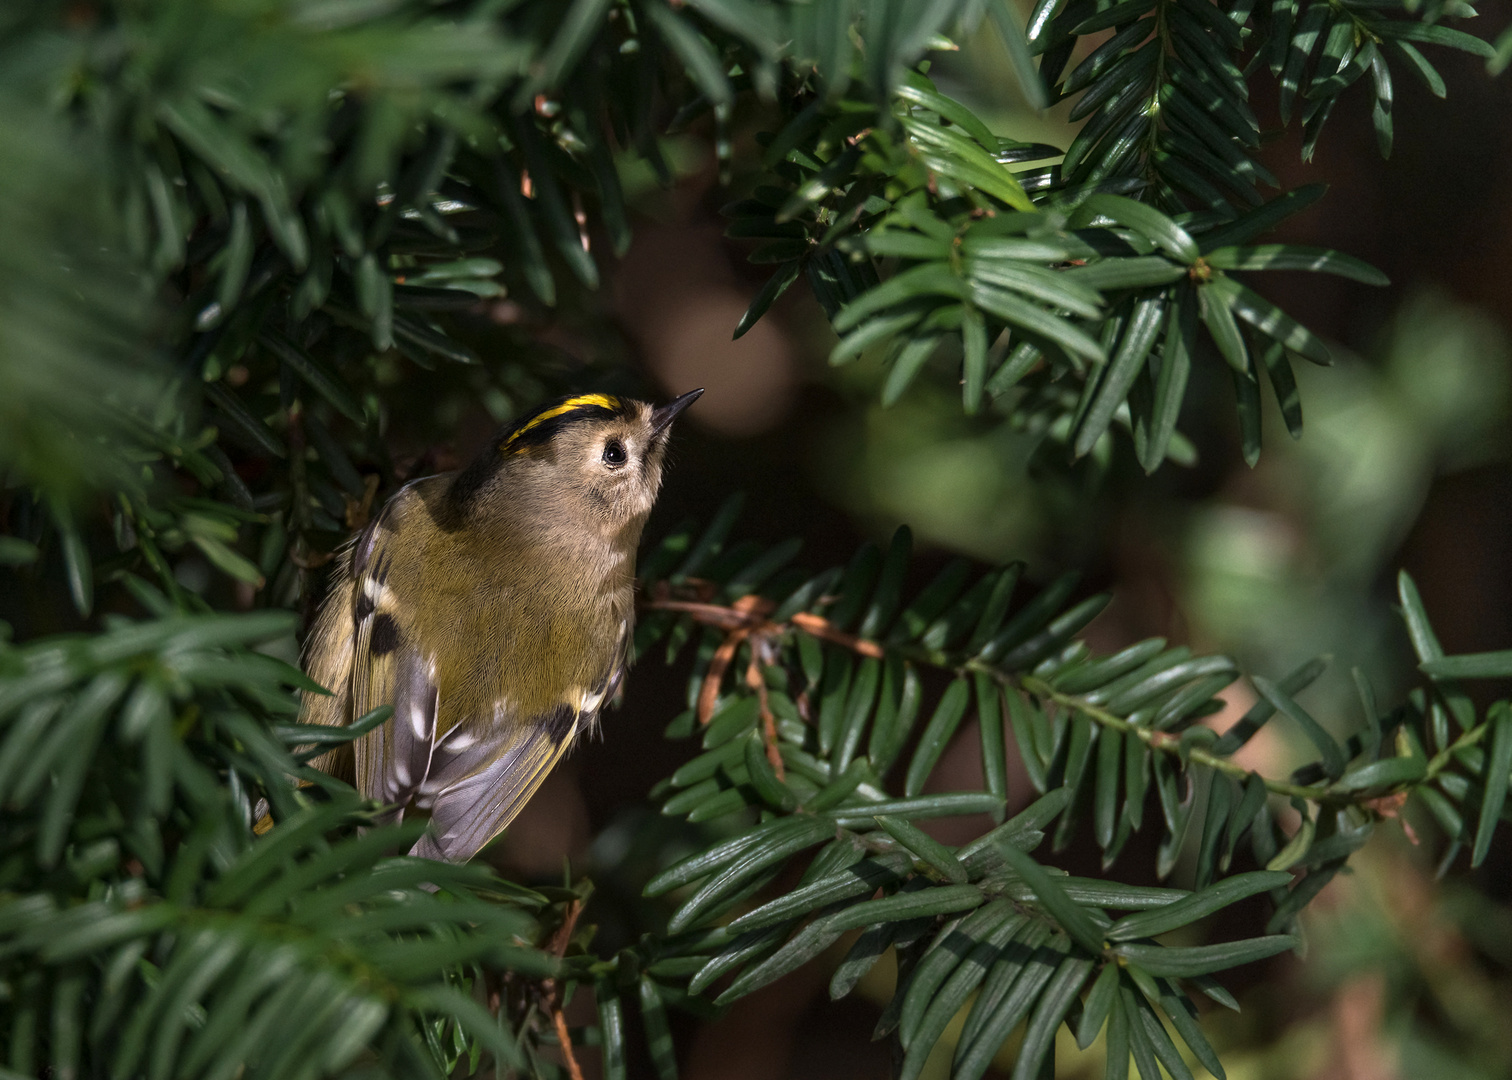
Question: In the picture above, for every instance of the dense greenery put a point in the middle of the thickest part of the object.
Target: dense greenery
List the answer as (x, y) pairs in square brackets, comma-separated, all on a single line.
[(247, 245)]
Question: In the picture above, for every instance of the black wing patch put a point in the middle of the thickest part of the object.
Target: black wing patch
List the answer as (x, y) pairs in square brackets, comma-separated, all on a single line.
[(387, 668), (384, 637)]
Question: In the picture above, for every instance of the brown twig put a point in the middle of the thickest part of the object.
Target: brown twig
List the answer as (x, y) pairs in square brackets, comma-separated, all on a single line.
[(715, 615), (708, 693), (558, 948), (559, 1022), (753, 610), (749, 613), (563, 936), (756, 680), (822, 628), (746, 619)]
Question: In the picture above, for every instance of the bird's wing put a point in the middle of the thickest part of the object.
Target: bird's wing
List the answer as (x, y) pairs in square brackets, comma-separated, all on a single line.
[(328, 660), (483, 773), (388, 667)]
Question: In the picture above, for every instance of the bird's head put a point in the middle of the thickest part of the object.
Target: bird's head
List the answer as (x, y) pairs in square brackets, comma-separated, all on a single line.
[(593, 460)]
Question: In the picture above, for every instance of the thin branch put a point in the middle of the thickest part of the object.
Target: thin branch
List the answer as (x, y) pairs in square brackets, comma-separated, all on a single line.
[(821, 628), (756, 680), (746, 620), (559, 1022), (1328, 793), (560, 939), (748, 615), (708, 693), (1171, 744), (715, 615)]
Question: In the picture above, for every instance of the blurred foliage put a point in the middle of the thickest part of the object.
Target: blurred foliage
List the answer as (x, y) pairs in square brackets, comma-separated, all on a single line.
[(259, 251), (1338, 504), (73, 312)]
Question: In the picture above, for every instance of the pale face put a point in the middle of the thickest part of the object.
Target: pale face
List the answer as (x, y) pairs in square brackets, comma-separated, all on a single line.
[(583, 476), (617, 465)]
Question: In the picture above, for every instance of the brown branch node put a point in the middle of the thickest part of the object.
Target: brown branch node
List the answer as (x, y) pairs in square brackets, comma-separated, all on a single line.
[(747, 620)]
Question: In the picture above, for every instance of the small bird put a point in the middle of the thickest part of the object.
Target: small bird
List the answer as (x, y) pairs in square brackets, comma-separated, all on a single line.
[(492, 608)]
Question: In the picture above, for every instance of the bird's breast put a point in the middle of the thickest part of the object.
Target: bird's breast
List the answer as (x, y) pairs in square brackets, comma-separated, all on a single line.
[(526, 635)]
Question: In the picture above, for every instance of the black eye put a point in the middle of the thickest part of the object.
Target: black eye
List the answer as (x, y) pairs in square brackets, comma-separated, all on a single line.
[(614, 453)]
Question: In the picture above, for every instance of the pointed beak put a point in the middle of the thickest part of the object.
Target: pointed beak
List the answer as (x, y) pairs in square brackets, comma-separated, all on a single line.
[(661, 418)]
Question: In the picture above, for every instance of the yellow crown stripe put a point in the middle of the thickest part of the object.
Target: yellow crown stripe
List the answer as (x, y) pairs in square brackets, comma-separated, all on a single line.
[(602, 401)]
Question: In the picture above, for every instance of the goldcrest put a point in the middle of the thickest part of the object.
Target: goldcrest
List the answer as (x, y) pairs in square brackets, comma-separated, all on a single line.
[(493, 608)]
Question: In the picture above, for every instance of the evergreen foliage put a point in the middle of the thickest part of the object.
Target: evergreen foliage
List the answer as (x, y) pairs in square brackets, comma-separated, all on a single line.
[(239, 232)]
